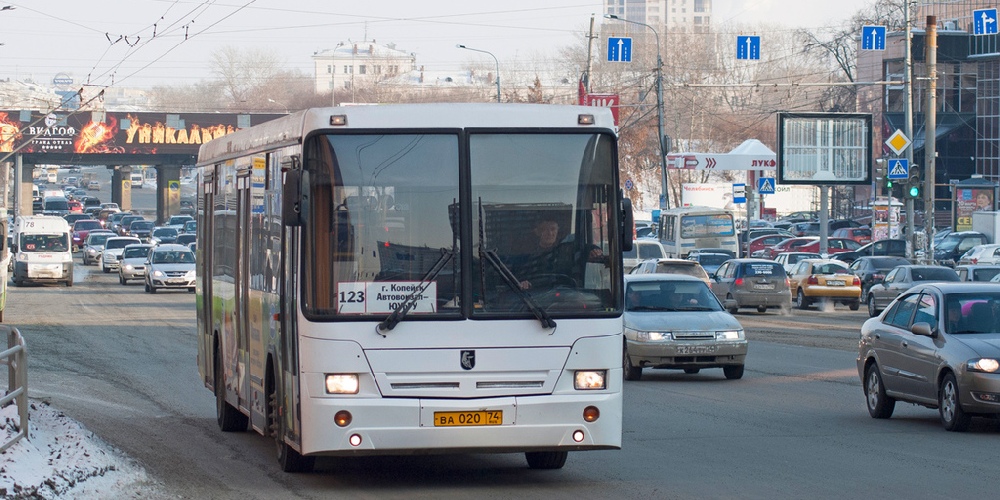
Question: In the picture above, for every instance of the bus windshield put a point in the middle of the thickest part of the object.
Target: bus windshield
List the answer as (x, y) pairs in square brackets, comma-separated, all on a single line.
[(385, 219)]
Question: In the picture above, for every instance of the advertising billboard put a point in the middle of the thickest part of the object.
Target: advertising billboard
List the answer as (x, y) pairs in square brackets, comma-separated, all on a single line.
[(101, 132)]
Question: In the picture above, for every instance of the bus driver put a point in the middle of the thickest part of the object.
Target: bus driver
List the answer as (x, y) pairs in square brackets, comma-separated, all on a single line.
[(552, 262)]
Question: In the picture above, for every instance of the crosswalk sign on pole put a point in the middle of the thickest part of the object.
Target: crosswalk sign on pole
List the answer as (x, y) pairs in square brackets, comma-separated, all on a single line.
[(765, 185), (899, 168)]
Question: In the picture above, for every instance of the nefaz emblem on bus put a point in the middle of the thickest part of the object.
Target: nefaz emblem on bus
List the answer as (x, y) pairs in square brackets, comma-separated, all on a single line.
[(468, 360)]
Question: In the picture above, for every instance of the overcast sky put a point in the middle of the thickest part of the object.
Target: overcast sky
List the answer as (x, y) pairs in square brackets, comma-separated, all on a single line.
[(142, 43)]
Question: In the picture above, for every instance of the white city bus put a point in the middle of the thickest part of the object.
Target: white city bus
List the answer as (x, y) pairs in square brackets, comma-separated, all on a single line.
[(684, 229), (361, 281)]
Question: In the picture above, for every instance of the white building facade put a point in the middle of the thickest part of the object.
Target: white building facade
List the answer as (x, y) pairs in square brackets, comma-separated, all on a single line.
[(356, 64)]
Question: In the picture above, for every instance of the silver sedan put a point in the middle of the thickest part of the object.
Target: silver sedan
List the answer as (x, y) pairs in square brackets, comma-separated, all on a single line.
[(674, 321), (937, 345)]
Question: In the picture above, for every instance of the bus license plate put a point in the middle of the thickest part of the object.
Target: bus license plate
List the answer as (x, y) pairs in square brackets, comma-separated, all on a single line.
[(467, 418)]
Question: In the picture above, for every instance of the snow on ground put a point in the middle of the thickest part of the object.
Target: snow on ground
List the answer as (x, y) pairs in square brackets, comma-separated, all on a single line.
[(60, 459)]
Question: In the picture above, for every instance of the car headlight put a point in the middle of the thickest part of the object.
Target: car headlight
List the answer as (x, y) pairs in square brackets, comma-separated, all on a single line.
[(641, 336), (988, 365), (190, 274), (590, 380), (729, 335), (128, 267), (157, 273)]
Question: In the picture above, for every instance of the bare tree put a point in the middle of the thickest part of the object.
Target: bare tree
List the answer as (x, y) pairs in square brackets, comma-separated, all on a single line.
[(245, 73)]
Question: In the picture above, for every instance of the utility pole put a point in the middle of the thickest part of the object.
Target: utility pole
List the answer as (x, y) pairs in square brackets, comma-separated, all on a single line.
[(930, 146), (908, 125), (590, 60), (659, 108)]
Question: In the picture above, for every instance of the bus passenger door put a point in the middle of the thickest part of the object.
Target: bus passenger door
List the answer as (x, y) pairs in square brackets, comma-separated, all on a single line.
[(204, 258), (250, 378)]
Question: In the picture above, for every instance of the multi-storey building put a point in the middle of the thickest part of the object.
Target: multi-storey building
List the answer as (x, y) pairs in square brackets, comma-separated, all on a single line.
[(967, 128), (355, 64), (692, 16)]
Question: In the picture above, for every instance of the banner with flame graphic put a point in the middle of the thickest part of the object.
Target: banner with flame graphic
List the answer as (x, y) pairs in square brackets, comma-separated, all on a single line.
[(117, 133)]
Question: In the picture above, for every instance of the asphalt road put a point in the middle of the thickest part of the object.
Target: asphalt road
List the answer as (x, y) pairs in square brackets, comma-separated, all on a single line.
[(122, 362)]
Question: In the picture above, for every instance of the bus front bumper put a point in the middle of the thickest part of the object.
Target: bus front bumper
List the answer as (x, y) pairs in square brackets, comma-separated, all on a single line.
[(405, 427)]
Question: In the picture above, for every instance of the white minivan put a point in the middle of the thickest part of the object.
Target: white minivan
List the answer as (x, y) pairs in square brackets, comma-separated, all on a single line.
[(136, 180), (42, 250), (642, 249)]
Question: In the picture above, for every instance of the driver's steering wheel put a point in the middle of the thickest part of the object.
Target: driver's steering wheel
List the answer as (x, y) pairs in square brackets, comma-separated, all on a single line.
[(552, 280)]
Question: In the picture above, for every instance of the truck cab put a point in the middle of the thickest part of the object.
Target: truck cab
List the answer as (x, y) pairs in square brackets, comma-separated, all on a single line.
[(42, 250)]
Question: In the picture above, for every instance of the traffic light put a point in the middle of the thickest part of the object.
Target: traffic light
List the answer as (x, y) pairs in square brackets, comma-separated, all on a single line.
[(913, 185)]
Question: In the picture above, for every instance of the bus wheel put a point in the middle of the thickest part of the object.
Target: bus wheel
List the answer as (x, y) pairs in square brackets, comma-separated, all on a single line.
[(289, 459), (546, 459), (230, 419)]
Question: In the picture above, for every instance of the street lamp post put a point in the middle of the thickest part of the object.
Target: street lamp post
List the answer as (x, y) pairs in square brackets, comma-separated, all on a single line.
[(659, 106), (494, 60)]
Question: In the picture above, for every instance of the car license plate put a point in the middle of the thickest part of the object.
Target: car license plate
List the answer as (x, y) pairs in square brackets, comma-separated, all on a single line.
[(696, 349), (835, 282), (763, 287), (467, 418), (176, 281)]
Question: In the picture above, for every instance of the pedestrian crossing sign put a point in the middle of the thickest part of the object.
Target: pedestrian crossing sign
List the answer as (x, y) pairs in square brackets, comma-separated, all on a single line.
[(765, 185), (899, 168)]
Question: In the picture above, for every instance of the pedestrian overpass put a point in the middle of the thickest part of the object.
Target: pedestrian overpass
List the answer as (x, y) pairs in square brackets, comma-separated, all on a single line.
[(117, 140)]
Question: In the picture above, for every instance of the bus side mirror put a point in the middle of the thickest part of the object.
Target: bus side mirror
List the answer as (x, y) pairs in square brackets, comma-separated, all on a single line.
[(291, 198), (628, 222)]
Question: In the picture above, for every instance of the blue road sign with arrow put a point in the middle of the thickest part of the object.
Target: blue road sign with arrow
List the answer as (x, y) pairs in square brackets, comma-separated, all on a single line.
[(984, 22), (765, 185), (873, 38), (748, 47), (899, 168), (619, 49)]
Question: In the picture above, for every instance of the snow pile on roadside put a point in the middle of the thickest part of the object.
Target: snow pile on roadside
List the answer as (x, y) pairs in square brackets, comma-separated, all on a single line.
[(61, 459)]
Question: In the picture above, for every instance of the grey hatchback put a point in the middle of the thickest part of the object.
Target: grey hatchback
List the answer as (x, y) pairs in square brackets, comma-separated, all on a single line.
[(756, 283)]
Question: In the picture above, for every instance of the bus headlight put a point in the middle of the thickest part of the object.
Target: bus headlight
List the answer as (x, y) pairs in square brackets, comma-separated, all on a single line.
[(590, 380), (341, 383)]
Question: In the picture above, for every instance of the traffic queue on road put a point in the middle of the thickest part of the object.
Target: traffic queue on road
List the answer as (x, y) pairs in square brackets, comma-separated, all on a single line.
[(162, 257)]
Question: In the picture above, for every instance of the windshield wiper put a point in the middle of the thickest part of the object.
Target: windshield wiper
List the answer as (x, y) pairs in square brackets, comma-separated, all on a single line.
[(514, 284), (411, 300)]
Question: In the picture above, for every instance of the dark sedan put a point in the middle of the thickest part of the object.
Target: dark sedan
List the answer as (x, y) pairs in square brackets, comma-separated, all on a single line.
[(872, 270)]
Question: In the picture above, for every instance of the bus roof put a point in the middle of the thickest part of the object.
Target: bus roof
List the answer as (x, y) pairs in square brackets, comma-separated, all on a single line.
[(289, 130)]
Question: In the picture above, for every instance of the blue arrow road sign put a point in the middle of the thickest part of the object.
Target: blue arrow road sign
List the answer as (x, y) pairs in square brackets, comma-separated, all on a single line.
[(899, 168), (765, 185), (873, 38), (748, 47), (984, 22), (619, 49)]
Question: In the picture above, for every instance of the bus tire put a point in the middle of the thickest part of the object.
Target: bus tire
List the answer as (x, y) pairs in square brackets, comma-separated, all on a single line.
[(288, 459), (230, 419), (546, 459)]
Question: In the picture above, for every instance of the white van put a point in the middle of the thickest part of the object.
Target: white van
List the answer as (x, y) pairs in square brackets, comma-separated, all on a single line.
[(42, 249), (136, 180)]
